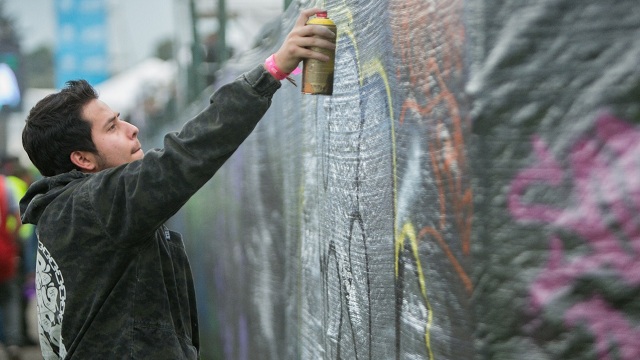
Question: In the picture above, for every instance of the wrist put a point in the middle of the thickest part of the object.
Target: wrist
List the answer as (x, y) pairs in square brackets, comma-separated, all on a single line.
[(273, 69)]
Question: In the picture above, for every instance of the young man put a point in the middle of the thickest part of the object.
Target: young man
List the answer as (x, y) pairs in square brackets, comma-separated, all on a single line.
[(112, 281)]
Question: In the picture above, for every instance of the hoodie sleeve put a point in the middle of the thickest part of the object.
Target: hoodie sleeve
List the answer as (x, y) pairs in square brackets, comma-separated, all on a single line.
[(132, 201)]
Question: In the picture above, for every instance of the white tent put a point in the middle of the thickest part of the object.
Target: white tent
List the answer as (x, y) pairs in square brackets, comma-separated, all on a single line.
[(125, 91)]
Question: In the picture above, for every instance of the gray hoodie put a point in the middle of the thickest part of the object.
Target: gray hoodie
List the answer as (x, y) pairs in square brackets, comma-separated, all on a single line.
[(112, 281)]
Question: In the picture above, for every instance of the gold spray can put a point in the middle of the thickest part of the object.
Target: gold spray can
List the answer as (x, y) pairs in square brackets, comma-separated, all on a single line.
[(317, 76)]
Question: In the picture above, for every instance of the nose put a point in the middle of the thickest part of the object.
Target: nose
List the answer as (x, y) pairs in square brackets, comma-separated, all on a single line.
[(133, 130)]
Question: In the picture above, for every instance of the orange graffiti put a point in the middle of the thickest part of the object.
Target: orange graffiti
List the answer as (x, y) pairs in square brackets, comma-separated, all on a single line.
[(429, 38)]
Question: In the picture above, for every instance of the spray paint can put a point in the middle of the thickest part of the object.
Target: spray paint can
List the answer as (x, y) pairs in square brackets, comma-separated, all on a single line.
[(317, 76)]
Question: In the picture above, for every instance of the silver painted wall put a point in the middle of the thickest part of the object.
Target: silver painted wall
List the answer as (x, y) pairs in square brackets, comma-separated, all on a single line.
[(469, 191)]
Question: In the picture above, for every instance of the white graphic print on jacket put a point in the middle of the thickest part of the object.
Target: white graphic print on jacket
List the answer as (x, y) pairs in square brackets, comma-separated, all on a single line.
[(51, 297)]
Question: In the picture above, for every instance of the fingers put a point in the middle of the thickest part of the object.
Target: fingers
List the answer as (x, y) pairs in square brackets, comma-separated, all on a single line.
[(310, 54), (305, 15), (316, 30), (303, 30), (302, 41), (308, 42), (288, 58)]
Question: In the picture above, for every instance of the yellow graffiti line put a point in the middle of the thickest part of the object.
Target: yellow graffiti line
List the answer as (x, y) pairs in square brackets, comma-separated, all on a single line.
[(352, 37), (409, 231), (367, 70), (370, 69)]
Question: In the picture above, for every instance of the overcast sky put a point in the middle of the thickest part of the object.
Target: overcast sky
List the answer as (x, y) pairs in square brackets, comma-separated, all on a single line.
[(138, 26)]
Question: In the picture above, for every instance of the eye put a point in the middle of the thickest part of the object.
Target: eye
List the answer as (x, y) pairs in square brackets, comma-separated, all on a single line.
[(114, 122)]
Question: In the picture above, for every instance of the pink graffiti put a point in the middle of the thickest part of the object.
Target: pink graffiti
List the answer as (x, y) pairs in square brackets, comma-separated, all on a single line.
[(603, 173), (606, 324)]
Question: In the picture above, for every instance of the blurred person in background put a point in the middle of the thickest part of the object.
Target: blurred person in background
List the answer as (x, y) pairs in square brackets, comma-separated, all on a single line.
[(112, 281), (18, 180), (10, 294)]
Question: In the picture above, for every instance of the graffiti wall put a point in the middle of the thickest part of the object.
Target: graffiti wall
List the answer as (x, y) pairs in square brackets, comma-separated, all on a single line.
[(556, 91), (470, 190)]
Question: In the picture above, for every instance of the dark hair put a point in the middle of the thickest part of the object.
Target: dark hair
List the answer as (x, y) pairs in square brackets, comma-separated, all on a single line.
[(55, 128)]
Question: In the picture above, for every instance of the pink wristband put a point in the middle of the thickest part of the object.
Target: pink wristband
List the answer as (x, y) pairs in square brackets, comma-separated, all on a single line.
[(272, 68)]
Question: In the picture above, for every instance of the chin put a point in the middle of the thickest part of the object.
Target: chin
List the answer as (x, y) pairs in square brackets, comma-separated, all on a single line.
[(138, 155)]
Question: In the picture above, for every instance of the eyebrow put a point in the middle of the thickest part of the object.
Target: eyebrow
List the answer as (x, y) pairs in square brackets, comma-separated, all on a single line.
[(111, 120)]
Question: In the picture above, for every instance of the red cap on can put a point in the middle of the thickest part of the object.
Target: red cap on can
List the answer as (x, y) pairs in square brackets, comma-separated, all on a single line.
[(322, 14)]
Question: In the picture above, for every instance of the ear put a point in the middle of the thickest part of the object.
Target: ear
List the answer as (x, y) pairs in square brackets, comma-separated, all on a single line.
[(84, 160)]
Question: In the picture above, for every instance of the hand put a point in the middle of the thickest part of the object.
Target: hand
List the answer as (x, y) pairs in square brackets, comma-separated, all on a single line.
[(296, 45)]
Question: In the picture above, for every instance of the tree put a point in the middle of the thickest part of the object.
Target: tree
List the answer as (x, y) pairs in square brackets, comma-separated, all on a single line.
[(164, 50), (8, 34), (11, 79), (39, 66)]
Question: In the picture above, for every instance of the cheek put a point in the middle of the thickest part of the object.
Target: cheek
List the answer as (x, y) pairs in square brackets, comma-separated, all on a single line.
[(101, 144)]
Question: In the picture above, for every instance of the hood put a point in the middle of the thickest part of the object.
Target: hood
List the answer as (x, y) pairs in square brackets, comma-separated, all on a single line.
[(42, 192)]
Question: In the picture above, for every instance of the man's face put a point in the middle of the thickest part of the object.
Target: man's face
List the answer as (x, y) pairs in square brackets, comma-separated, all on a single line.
[(116, 140)]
